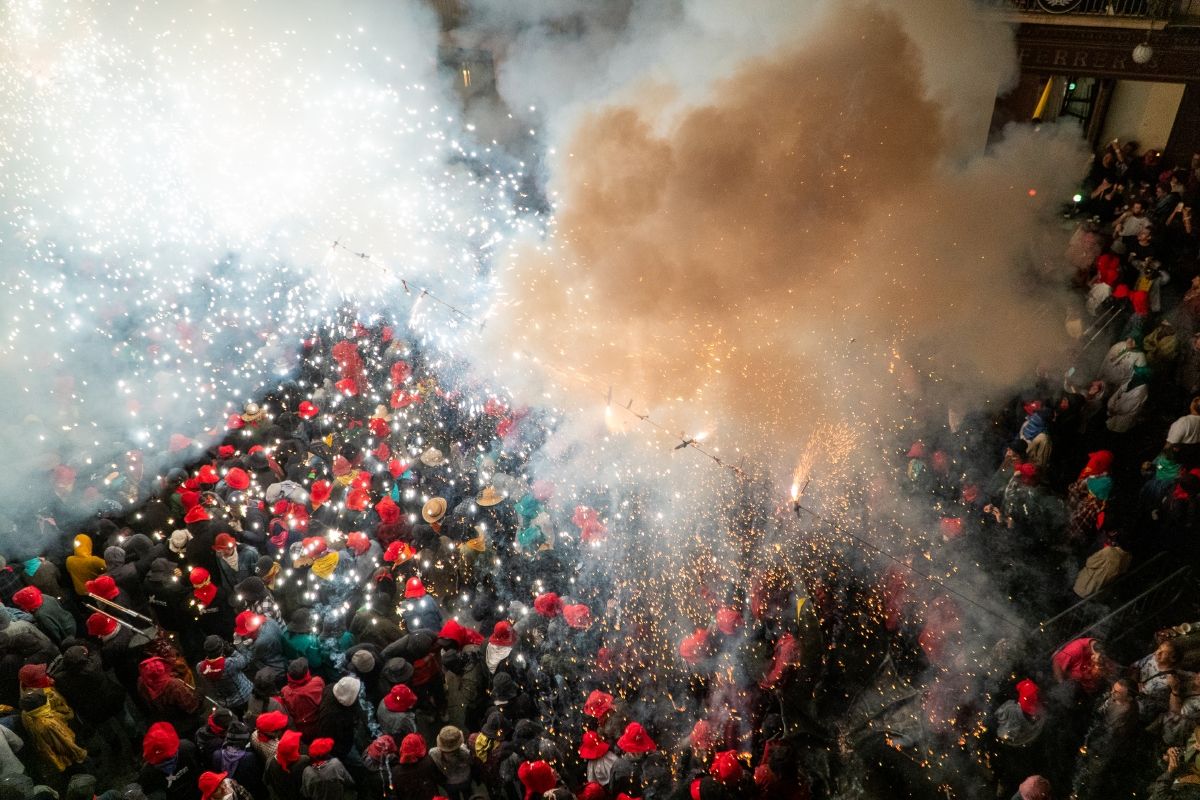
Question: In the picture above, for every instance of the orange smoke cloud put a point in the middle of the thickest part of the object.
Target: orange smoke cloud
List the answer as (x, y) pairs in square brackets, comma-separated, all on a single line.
[(804, 244)]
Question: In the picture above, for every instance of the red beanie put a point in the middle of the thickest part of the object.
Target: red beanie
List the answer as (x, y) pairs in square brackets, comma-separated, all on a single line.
[(271, 722), (548, 605), (578, 616), (320, 747), (99, 625), (502, 634), (28, 599), (287, 752), (458, 634), (412, 749), (726, 768), (414, 588), (237, 478), (537, 777), (103, 586), (160, 743), (400, 699)]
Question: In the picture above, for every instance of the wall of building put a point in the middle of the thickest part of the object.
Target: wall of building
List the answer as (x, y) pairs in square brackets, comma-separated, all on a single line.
[(1142, 111)]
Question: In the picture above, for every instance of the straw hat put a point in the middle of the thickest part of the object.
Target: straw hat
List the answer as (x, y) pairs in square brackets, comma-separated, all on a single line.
[(433, 457), (253, 412), (433, 510), (488, 496)]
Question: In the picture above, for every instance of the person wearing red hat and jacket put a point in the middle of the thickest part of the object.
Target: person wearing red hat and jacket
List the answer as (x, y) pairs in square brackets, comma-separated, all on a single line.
[(165, 696), (301, 697)]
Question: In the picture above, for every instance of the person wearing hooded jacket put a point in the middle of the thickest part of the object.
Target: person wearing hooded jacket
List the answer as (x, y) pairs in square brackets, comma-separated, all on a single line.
[(82, 565), (325, 777), (301, 697), (340, 717), (285, 771), (238, 760), (165, 697), (170, 767), (48, 614)]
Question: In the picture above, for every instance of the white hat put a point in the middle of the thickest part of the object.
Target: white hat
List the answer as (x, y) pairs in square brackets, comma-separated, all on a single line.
[(346, 690)]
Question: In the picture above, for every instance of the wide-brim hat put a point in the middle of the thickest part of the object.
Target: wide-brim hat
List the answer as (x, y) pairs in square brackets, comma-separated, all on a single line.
[(253, 412), (593, 746), (433, 510), (433, 457), (488, 496)]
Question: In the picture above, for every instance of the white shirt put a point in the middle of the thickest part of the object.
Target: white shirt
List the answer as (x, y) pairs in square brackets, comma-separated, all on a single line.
[(1185, 430)]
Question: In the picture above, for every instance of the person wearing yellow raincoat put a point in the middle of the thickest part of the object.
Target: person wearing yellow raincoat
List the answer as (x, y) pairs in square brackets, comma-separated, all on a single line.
[(83, 566), (45, 715)]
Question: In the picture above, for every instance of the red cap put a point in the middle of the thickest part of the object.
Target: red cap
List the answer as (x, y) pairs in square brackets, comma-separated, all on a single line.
[(401, 372), (388, 511), (592, 746), (225, 451), (537, 777), (287, 752), (549, 605), (379, 427), (195, 514), (458, 634), (400, 699), (247, 623), (502, 634), (160, 743), (320, 747), (271, 721), (1029, 698), (593, 791), (692, 647), (189, 499), (726, 768), (412, 748), (198, 576), (208, 474), (917, 450), (28, 599), (951, 527), (358, 542), (358, 500), (348, 387), (598, 704), (103, 586), (414, 588), (237, 478), (224, 540), (578, 616), (210, 782), (398, 551), (319, 493), (100, 625), (636, 740), (308, 410), (728, 621), (397, 467)]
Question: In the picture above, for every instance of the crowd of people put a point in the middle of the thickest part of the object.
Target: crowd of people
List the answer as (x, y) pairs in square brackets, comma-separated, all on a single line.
[(358, 591)]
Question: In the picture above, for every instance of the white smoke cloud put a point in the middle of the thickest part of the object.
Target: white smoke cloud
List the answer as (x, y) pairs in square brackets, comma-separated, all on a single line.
[(173, 178)]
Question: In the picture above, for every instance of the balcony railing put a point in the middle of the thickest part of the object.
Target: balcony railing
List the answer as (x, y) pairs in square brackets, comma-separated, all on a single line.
[(1137, 9)]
